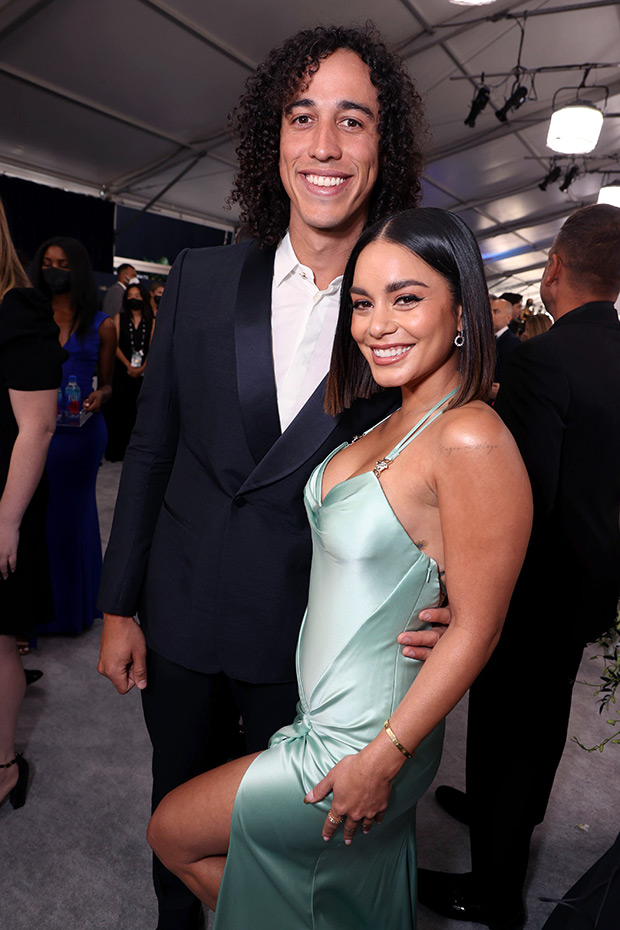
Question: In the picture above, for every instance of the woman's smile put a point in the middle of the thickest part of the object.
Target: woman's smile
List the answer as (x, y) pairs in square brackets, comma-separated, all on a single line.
[(389, 354)]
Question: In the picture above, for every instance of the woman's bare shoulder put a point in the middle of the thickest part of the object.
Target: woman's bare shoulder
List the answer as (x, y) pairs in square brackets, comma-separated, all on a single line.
[(474, 430)]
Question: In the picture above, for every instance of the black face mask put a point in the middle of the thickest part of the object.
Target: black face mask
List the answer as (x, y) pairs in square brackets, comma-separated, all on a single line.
[(134, 304), (157, 298), (57, 279)]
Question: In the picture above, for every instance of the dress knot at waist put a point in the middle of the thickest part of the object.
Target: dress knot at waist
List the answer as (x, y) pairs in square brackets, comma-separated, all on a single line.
[(300, 727)]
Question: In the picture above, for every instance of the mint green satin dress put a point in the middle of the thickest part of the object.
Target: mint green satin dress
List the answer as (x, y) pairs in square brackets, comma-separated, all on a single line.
[(368, 583)]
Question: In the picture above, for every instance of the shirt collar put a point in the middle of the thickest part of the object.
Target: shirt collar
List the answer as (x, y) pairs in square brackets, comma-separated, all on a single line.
[(500, 332), (286, 264)]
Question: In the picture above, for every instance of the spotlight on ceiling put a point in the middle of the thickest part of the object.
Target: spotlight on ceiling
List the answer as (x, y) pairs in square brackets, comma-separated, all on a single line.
[(551, 177), (575, 128), (516, 99), (569, 177), (478, 104), (472, 2), (610, 193)]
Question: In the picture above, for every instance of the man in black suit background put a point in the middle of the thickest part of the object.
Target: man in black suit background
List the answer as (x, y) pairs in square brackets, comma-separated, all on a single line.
[(210, 544), (560, 397), (505, 339), (516, 304)]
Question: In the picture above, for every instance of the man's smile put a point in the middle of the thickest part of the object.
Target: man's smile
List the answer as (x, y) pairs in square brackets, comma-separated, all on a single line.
[(323, 180)]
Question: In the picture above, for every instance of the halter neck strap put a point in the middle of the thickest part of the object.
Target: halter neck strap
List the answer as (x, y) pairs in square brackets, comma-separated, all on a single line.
[(421, 425)]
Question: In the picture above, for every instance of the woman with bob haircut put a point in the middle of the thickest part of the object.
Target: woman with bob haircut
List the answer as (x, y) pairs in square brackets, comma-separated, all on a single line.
[(433, 500)]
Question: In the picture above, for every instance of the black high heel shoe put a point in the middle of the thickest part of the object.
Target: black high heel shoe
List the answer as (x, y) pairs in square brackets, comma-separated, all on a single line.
[(17, 795)]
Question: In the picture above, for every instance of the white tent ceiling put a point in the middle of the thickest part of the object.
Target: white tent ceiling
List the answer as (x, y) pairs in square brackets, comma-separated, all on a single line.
[(121, 96)]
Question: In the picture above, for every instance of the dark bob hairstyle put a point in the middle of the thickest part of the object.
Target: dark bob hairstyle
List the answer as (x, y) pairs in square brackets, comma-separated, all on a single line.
[(265, 206), (83, 287), (444, 242)]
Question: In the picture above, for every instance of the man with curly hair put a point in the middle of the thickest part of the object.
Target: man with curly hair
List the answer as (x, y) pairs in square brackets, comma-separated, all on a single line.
[(210, 544)]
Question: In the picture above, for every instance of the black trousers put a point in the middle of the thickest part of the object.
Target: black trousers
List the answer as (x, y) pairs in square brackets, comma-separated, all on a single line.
[(519, 708), (193, 723)]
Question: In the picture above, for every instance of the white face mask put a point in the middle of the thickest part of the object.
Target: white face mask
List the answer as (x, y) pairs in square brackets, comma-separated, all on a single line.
[(132, 281)]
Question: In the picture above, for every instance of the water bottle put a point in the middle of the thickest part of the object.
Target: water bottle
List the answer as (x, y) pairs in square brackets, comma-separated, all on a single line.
[(72, 400), (59, 406)]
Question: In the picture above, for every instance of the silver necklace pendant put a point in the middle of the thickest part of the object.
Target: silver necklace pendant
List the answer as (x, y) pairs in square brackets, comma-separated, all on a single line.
[(381, 465)]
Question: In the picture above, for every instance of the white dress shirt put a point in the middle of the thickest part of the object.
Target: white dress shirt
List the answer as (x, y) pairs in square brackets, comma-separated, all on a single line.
[(500, 332), (303, 323)]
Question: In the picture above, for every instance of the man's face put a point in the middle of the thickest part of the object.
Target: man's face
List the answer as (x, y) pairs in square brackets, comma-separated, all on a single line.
[(329, 146), (502, 314), (126, 275), (546, 292)]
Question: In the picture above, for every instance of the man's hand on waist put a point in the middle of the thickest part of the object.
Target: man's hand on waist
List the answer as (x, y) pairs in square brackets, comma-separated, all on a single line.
[(419, 643)]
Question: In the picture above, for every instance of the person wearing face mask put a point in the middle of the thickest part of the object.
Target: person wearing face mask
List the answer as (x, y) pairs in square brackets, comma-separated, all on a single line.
[(113, 300), (61, 269), (134, 329), (156, 293)]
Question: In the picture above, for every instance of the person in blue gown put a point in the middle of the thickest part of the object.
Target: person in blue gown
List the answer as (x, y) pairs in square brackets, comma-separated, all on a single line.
[(434, 498), (61, 269)]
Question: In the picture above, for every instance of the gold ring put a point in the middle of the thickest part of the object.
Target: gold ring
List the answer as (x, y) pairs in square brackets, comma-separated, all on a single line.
[(335, 820)]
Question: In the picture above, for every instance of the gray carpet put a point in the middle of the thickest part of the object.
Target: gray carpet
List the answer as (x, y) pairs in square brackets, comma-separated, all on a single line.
[(75, 858)]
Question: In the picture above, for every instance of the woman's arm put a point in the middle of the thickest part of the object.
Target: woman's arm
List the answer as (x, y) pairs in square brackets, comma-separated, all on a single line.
[(107, 352), (35, 413), (120, 355), (485, 511)]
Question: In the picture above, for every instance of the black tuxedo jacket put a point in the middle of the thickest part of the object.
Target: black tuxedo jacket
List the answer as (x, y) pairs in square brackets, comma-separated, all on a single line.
[(210, 542), (504, 345), (560, 397)]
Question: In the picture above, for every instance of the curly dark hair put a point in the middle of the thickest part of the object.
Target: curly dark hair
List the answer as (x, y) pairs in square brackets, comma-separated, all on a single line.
[(265, 206)]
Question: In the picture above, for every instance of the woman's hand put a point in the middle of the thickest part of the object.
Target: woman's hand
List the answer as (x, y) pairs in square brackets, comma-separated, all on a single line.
[(9, 539), (93, 402), (360, 786)]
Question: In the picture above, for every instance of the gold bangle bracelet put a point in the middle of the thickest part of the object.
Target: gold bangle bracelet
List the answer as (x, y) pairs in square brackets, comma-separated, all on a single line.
[(390, 732)]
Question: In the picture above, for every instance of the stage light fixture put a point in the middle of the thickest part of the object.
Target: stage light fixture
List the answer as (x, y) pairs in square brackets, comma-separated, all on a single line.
[(517, 98), (569, 177), (610, 193), (472, 2), (575, 128), (551, 177), (478, 104)]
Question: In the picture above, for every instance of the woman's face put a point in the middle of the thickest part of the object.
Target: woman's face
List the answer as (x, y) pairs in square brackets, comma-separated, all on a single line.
[(404, 317), (56, 270), (134, 293), (55, 257)]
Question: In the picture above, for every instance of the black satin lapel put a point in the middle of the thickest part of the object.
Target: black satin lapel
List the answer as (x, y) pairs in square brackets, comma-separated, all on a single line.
[(255, 375), (297, 444), (312, 427)]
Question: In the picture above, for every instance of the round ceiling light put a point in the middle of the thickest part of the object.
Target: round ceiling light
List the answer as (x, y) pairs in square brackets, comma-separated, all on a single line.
[(472, 2), (575, 128), (610, 193)]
